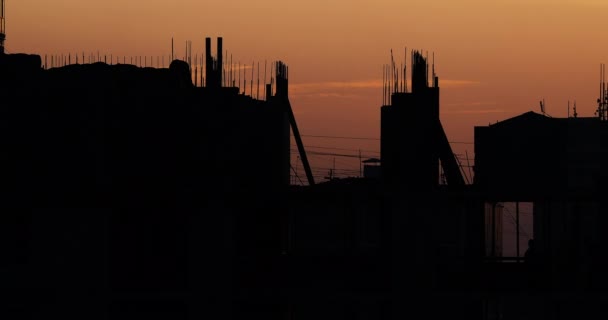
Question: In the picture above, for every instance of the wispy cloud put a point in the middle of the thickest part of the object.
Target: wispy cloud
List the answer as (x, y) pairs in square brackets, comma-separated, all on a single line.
[(348, 88), (449, 83), (475, 111), (473, 107), (470, 104)]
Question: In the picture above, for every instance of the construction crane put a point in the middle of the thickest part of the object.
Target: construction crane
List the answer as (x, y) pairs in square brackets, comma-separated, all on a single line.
[(2, 27)]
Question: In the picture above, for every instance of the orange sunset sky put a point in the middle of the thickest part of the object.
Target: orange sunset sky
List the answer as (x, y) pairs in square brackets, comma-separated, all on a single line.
[(495, 59)]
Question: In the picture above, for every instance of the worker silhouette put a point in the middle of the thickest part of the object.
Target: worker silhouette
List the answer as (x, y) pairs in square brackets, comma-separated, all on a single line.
[(532, 264), (530, 255)]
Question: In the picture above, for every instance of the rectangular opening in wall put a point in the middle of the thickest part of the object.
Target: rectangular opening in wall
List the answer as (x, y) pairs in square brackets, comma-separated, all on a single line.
[(508, 227), (493, 229), (511, 222)]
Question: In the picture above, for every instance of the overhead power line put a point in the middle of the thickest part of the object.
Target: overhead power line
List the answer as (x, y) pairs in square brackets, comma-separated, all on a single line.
[(367, 138), (340, 137)]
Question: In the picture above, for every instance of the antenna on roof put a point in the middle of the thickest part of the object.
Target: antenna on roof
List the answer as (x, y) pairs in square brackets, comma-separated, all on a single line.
[(405, 69), (602, 101), (433, 75)]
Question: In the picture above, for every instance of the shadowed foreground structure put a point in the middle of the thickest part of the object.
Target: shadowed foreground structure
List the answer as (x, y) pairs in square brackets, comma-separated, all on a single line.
[(128, 190), (131, 193)]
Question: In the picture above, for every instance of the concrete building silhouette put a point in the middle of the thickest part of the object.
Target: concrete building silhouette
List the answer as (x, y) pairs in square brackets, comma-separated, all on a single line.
[(129, 192), (388, 248), (557, 164), (436, 251), (132, 192), (412, 138)]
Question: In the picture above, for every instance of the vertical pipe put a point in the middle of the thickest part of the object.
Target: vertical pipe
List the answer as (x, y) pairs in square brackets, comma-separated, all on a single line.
[(225, 70), (386, 85), (271, 77), (401, 74), (601, 104), (405, 69), (257, 95), (231, 72), (398, 84), (433, 73), (390, 82), (265, 91), (427, 70), (208, 60), (244, 80), (603, 116), (220, 60), (389, 97)]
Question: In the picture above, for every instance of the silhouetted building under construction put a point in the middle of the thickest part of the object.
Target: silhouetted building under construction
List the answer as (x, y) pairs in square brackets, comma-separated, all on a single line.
[(128, 190), (438, 251), (412, 138), (132, 192)]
